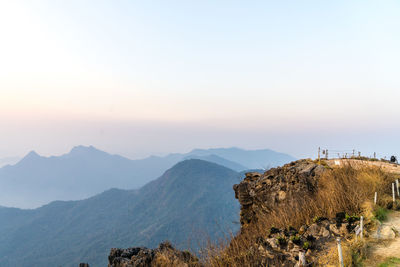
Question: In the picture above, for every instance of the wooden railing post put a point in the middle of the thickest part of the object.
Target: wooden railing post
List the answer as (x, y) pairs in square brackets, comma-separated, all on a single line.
[(394, 196), (339, 246), (302, 259)]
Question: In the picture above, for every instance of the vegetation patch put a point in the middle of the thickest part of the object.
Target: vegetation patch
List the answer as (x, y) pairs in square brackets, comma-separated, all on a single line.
[(282, 241), (295, 239), (353, 218), (274, 230), (318, 219), (306, 245), (381, 214), (391, 262)]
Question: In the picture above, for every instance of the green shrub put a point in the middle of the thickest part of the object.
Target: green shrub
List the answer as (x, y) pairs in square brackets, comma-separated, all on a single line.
[(381, 214), (318, 219), (306, 245), (274, 230), (282, 241), (295, 239), (353, 218)]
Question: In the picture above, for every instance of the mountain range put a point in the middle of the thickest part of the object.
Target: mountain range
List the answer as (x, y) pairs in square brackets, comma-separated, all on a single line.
[(189, 203), (85, 171)]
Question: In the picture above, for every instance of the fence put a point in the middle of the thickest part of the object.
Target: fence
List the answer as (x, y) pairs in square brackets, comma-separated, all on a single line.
[(351, 154)]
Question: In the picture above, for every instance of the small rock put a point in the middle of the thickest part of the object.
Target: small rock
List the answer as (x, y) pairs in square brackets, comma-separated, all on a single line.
[(302, 229), (313, 230)]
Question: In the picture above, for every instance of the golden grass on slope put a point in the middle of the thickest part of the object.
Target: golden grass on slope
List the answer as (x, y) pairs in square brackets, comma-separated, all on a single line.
[(352, 251), (343, 189), (348, 189), (170, 258)]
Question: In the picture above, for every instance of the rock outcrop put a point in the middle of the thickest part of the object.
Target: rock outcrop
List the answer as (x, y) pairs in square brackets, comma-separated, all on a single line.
[(279, 189), (164, 255), (258, 193)]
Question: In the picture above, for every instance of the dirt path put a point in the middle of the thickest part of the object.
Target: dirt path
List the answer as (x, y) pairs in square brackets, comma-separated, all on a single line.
[(389, 167), (387, 241)]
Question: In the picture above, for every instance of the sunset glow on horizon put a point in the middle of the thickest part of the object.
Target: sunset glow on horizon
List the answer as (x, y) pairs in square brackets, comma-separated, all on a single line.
[(115, 73)]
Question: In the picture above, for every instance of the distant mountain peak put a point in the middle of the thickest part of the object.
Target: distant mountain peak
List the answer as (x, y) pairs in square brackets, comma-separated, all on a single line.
[(192, 165), (31, 155), (83, 149)]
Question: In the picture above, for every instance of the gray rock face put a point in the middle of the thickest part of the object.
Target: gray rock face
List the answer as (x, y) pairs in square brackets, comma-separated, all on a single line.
[(260, 193)]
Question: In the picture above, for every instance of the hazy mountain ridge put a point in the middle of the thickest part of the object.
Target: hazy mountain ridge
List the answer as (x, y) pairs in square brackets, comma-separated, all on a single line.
[(193, 198), (219, 160), (252, 159), (8, 161), (86, 171)]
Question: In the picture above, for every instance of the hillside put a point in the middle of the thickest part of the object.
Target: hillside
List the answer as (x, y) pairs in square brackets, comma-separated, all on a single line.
[(304, 207), (300, 211), (86, 171), (191, 201)]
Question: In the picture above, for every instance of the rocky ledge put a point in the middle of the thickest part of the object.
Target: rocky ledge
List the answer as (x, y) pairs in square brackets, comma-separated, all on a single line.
[(164, 255)]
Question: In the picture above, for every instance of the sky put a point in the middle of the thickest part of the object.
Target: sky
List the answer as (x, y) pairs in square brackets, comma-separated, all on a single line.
[(138, 78)]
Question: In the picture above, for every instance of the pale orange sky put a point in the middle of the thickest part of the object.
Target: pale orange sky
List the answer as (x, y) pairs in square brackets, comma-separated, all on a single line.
[(280, 71)]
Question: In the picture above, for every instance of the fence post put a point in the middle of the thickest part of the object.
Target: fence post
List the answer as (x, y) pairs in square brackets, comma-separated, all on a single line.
[(394, 196), (339, 246), (397, 186), (302, 259), (319, 155), (361, 227), (375, 197)]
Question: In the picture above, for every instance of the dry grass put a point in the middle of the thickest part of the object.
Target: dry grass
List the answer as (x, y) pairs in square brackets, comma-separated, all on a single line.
[(345, 189), (348, 189), (353, 253), (170, 258)]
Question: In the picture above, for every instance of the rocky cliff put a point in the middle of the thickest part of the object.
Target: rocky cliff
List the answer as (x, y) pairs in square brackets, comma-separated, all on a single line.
[(259, 194)]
